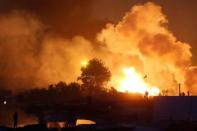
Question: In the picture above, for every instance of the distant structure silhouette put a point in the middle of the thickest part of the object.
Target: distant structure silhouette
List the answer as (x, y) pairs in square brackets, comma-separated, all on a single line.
[(15, 119), (179, 86), (188, 93)]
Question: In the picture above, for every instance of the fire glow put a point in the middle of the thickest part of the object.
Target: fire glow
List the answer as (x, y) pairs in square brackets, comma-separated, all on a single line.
[(134, 83), (131, 82), (84, 63), (139, 42)]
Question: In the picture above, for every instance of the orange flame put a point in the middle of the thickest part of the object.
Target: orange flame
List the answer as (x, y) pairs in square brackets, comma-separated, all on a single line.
[(134, 83)]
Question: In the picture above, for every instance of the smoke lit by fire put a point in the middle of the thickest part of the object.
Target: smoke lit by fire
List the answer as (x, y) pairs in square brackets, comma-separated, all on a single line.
[(142, 41), (140, 51)]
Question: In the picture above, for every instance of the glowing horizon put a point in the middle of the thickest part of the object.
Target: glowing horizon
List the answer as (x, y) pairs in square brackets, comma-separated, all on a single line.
[(132, 82)]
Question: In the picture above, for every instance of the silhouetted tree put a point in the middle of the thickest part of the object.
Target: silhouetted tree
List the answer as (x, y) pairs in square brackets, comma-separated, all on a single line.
[(61, 85), (95, 74), (74, 87)]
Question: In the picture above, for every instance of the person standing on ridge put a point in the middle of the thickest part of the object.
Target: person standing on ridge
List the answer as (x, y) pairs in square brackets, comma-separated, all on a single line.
[(15, 119)]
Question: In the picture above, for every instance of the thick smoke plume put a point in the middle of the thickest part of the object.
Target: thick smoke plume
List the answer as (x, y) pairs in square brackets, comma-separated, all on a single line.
[(143, 36), (19, 48), (32, 56)]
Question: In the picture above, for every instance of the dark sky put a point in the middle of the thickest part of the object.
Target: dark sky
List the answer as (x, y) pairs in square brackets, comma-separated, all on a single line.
[(87, 17)]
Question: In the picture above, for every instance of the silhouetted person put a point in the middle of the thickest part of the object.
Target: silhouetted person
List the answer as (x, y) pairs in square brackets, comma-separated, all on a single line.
[(146, 94), (15, 119)]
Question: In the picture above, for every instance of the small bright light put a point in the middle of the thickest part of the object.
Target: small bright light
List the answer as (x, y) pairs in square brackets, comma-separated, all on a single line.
[(84, 122), (4, 102), (84, 63)]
